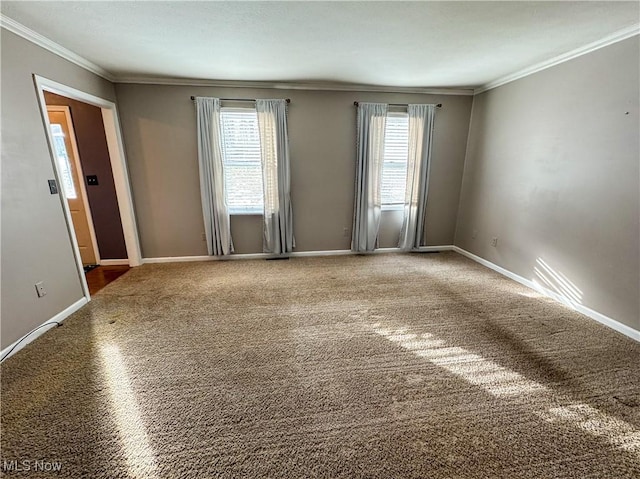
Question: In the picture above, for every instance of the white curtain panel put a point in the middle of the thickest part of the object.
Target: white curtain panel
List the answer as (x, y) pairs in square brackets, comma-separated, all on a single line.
[(372, 121), (214, 206), (415, 202), (274, 151)]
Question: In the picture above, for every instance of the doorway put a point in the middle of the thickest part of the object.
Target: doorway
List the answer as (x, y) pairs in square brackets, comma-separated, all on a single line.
[(92, 181), (75, 192), (68, 156)]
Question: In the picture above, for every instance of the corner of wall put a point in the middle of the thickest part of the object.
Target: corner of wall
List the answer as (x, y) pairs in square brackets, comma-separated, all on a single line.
[(464, 172)]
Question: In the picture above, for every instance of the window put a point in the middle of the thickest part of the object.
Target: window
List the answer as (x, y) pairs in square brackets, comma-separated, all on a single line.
[(241, 156), (394, 165), (64, 166)]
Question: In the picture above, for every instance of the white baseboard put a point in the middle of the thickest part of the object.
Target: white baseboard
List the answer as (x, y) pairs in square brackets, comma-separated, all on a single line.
[(114, 262), (435, 249), (35, 333), (246, 256), (331, 252), (421, 249), (188, 259), (601, 318), (295, 254), (242, 256)]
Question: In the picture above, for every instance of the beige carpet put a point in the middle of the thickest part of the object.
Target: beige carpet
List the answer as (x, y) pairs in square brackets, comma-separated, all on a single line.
[(384, 366)]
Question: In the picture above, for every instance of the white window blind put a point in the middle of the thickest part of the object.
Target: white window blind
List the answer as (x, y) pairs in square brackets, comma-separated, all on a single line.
[(394, 166), (241, 156)]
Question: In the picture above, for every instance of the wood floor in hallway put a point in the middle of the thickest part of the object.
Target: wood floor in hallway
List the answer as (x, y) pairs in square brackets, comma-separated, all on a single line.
[(101, 276)]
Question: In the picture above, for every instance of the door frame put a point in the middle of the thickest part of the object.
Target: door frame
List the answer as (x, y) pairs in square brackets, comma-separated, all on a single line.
[(78, 165), (119, 169)]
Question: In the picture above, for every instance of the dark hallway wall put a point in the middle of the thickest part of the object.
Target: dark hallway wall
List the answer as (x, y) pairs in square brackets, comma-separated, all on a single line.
[(94, 158)]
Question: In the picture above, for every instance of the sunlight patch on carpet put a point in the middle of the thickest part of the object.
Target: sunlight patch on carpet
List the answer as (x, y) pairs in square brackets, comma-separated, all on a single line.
[(135, 442), (503, 382), (479, 371), (589, 419)]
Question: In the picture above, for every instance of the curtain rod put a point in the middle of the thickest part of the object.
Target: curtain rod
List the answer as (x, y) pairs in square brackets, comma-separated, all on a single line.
[(288, 100), (439, 105)]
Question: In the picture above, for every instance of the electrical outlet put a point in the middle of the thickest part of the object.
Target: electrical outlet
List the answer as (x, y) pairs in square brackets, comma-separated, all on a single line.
[(494, 241), (474, 234), (203, 236), (40, 289), (345, 232)]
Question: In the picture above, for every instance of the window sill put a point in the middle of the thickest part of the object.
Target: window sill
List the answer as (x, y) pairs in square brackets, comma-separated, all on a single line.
[(392, 207), (245, 213)]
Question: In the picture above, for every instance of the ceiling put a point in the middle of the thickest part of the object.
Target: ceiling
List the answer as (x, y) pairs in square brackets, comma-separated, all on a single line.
[(401, 44)]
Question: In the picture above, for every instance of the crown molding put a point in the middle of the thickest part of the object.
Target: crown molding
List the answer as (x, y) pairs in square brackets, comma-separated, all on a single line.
[(565, 57), (330, 86), (55, 48)]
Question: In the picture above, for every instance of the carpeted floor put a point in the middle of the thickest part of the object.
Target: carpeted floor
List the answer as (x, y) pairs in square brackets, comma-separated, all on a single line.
[(383, 366)]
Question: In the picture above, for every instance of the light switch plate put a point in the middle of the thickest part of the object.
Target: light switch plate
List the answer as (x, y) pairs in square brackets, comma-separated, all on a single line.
[(92, 180), (40, 289)]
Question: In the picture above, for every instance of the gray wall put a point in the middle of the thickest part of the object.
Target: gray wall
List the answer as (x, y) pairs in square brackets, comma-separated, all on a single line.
[(35, 241), (95, 160), (552, 170), (160, 137)]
